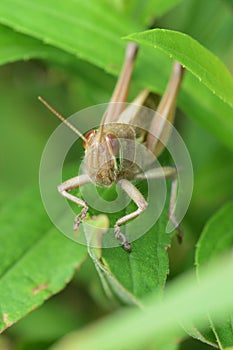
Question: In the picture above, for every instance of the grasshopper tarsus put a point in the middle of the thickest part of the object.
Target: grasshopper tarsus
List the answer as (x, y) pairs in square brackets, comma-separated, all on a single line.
[(126, 246), (120, 236), (79, 218), (76, 224)]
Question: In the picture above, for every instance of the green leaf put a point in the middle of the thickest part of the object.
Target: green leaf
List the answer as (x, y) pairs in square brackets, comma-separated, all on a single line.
[(146, 11), (79, 22), (185, 300), (15, 46), (198, 60), (36, 261), (206, 335), (145, 268), (199, 102), (110, 283), (217, 238)]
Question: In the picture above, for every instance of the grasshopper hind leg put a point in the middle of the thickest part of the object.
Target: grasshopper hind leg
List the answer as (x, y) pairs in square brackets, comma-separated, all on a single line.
[(172, 205), (168, 173)]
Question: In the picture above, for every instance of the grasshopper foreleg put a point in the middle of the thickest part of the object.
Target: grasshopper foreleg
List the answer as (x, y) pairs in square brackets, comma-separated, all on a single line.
[(139, 200), (71, 184)]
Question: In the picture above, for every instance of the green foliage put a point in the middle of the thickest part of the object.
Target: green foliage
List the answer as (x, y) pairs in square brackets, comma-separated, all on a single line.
[(217, 238), (36, 261), (107, 31), (76, 50), (160, 320), (145, 268), (193, 56), (145, 12)]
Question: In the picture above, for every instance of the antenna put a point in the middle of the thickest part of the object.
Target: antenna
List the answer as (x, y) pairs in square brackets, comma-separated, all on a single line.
[(47, 105)]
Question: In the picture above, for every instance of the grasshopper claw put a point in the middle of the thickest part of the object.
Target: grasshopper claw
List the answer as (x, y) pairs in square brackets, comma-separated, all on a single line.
[(120, 236), (126, 246), (79, 218), (77, 222)]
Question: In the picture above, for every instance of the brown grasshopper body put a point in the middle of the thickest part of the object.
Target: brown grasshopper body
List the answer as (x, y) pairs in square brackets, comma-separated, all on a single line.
[(105, 162)]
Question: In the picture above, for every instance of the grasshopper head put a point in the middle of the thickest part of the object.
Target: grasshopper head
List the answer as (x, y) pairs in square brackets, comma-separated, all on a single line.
[(101, 157)]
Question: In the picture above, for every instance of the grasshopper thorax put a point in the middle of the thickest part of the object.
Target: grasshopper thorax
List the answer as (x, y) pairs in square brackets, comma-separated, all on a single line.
[(107, 157)]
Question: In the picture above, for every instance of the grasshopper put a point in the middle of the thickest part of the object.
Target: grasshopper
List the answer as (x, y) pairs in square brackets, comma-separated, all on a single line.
[(104, 160)]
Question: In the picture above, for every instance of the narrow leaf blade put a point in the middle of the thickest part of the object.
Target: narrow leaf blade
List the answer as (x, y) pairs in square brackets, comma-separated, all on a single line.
[(160, 319), (198, 60), (217, 238)]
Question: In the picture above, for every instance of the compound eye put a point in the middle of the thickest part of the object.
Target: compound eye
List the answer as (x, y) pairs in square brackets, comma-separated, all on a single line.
[(89, 136), (113, 142)]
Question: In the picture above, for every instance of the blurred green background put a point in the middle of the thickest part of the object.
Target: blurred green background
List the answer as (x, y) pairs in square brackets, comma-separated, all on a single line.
[(26, 127)]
